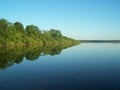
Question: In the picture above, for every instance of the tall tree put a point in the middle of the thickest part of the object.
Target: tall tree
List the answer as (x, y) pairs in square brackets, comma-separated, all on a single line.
[(33, 30), (19, 27), (3, 26)]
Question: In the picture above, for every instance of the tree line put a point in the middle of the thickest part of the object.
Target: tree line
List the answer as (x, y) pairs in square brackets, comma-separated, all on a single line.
[(16, 34)]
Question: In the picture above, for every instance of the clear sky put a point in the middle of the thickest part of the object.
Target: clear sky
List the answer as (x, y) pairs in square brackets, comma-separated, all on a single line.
[(79, 19)]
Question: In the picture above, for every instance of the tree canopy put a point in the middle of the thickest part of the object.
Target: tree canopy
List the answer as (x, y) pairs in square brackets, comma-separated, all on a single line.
[(16, 34)]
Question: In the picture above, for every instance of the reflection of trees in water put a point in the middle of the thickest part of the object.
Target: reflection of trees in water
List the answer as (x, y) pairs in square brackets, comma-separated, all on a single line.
[(11, 55)]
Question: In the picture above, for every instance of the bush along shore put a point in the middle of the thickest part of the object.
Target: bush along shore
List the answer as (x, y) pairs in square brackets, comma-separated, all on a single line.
[(14, 34)]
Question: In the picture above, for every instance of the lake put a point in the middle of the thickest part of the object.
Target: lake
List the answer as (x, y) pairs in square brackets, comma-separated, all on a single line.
[(87, 66)]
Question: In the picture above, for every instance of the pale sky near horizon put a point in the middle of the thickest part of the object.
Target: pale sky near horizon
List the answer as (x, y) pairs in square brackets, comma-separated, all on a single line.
[(78, 19)]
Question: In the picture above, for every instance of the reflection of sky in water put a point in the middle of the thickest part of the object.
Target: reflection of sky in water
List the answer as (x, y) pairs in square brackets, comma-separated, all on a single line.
[(87, 66)]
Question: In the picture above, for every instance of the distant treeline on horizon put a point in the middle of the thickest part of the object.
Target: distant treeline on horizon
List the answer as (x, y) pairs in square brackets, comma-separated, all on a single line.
[(100, 41)]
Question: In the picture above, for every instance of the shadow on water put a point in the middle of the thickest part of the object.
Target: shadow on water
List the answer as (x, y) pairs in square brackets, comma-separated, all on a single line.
[(15, 55)]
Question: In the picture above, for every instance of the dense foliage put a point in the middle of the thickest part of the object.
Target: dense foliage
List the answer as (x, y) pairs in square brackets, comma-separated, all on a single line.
[(16, 34)]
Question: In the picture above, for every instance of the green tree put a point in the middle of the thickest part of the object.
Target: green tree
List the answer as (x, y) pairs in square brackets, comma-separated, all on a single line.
[(32, 30), (19, 27), (15, 34), (3, 26)]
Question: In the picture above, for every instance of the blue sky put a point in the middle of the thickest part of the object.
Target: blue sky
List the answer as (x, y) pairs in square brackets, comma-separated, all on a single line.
[(79, 19)]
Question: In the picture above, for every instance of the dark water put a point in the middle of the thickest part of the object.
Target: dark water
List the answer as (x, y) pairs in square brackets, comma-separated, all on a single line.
[(88, 66)]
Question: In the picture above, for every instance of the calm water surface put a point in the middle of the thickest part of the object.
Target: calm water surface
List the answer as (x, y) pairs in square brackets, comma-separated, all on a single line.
[(88, 66)]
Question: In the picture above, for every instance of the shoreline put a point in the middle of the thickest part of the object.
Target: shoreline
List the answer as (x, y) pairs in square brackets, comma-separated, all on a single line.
[(100, 41)]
